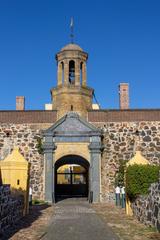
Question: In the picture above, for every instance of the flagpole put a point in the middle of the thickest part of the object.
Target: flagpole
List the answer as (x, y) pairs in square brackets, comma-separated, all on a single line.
[(72, 30)]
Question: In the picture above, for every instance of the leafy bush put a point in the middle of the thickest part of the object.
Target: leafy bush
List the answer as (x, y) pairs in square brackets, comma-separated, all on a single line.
[(119, 178), (139, 178), (39, 145)]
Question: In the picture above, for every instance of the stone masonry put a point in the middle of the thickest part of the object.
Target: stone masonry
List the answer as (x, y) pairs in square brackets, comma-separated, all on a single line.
[(120, 140), (147, 208), (25, 137), (11, 209), (77, 98)]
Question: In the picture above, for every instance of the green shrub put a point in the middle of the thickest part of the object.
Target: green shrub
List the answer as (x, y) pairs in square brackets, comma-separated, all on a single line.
[(37, 202), (39, 145), (119, 178), (139, 178)]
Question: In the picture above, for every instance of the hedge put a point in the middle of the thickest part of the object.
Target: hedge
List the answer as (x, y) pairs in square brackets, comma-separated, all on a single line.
[(139, 178)]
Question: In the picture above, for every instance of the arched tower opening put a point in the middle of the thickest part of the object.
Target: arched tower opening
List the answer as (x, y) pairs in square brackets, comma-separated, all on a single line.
[(62, 66), (72, 72), (81, 73)]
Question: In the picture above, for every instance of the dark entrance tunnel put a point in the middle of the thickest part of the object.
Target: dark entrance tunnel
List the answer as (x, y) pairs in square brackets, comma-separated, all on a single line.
[(71, 177)]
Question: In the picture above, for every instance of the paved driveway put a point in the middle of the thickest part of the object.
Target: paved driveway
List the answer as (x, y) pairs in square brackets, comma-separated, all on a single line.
[(76, 220)]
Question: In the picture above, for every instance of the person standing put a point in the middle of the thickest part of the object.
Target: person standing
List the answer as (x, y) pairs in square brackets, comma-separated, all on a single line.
[(122, 190), (117, 191), (30, 196)]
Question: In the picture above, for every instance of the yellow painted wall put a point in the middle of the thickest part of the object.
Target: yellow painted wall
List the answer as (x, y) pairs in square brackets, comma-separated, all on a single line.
[(14, 170), (80, 149)]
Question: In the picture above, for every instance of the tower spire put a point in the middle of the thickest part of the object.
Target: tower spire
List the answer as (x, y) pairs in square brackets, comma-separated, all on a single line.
[(71, 29)]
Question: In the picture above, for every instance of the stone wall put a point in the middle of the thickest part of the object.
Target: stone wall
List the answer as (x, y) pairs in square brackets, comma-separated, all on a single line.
[(80, 98), (147, 208), (11, 209), (120, 140), (25, 136)]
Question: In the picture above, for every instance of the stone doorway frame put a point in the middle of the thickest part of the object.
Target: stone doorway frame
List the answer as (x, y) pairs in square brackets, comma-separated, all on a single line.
[(83, 132)]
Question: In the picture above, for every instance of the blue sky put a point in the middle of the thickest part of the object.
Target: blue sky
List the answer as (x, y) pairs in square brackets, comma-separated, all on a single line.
[(122, 38)]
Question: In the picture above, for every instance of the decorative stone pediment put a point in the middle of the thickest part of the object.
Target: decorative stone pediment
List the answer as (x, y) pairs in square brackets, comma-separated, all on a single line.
[(72, 124)]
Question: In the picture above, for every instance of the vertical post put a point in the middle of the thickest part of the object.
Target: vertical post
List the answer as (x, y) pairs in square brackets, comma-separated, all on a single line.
[(77, 73), (49, 148), (129, 211), (66, 72), (59, 74), (90, 181), (84, 74), (95, 168)]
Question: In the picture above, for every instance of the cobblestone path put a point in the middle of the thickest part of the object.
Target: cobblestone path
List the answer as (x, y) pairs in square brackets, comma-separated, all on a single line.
[(76, 220)]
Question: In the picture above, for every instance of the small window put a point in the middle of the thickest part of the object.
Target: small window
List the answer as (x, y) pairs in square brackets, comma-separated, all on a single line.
[(18, 182), (62, 67), (72, 72), (7, 134), (81, 73)]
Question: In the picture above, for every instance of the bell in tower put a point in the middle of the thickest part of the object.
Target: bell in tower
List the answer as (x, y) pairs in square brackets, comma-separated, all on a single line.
[(71, 93), (71, 72)]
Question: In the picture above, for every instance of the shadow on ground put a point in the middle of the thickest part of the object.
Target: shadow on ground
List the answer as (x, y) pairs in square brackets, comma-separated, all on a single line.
[(70, 198), (34, 213)]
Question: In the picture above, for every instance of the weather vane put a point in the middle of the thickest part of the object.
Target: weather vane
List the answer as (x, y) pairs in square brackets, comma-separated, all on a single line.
[(71, 28)]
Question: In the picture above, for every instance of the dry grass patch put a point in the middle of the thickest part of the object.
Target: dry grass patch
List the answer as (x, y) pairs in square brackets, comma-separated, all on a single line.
[(125, 227)]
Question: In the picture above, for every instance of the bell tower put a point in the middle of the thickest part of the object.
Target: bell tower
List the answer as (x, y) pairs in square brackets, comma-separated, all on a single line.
[(72, 92)]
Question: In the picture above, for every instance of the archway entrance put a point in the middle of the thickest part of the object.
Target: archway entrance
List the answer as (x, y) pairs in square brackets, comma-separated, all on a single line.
[(74, 132), (71, 177)]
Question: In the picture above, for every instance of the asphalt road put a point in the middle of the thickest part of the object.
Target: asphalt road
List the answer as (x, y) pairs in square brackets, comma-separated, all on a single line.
[(76, 220)]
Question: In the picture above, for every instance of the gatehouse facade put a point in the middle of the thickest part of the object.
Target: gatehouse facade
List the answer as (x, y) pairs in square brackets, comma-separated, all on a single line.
[(76, 142), (75, 148)]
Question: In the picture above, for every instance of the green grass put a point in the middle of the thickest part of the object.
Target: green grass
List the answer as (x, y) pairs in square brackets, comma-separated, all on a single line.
[(38, 202)]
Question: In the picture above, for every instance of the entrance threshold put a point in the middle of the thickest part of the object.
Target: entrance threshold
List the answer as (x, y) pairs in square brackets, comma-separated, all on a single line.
[(71, 199)]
